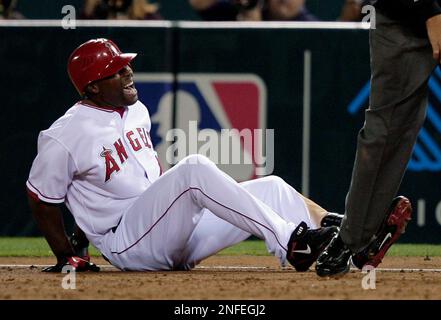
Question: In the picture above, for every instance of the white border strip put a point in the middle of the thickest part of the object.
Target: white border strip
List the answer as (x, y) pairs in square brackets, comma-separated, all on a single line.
[(271, 25), (106, 266), (88, 23), (232, 267), (192, 24), (403, 270), (110, 267), (31, 266)]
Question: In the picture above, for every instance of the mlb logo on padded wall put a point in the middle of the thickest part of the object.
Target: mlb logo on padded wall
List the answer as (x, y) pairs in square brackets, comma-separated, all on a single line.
[(222, 116)]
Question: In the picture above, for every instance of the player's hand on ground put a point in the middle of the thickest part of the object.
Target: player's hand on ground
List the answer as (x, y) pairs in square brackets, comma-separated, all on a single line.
[(434, 31), (78, 264)]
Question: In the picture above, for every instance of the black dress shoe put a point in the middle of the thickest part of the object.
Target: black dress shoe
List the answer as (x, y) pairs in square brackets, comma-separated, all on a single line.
[(334, 260), (305, 245), (331, 219)]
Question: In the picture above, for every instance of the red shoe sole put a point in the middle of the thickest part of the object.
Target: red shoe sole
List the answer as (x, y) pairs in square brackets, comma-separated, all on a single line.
[(399, 217)]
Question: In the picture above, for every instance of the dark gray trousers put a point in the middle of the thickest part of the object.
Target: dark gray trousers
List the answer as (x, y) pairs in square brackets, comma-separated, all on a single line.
[(401, 64)]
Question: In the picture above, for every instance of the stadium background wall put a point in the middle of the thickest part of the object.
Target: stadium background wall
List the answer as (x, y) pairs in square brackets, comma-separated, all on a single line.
[(36, 90), (328, 10)]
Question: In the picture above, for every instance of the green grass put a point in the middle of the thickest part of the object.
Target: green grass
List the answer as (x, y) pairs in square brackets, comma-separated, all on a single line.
[(28, 247), (415, 250), (249, 248), (37, 247)]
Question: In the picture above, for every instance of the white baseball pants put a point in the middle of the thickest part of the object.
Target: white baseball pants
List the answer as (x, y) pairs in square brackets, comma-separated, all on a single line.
[(195, 210)]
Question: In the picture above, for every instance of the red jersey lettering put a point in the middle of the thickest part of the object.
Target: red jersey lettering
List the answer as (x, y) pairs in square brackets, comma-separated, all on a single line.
[(143, 136), (111, 165), (149, 140), (134, 142), (121, 151)]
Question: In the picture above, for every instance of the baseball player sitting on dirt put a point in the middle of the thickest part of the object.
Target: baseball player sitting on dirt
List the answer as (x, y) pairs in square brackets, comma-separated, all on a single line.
[(99, 160)]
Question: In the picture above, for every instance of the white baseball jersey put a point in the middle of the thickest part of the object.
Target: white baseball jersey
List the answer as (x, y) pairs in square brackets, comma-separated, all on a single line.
[(103, 166), (96, 161)]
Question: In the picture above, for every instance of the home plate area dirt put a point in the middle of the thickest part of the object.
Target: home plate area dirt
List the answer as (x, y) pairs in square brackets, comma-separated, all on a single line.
[(225, 278)]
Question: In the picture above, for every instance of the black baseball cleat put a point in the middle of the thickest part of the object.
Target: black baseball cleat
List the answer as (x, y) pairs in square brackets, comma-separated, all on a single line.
[(305, 245), (331, 219), (334, 260), (395, 222)]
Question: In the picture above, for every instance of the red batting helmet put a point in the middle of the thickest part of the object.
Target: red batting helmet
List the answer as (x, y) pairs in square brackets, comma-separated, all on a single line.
[(94, 60)]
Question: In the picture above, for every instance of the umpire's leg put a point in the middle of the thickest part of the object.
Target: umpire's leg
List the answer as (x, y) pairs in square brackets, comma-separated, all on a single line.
[(401, 64)]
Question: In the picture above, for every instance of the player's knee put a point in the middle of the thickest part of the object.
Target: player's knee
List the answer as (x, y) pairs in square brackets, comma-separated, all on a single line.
[(195, 163), (197, 159), (274, 179)]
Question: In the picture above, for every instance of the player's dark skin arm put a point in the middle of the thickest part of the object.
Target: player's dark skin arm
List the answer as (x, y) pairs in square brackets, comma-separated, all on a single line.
[(49, 220)]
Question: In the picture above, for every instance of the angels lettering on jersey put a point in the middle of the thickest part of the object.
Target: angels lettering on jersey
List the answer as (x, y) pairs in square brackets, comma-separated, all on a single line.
[(138, 139)]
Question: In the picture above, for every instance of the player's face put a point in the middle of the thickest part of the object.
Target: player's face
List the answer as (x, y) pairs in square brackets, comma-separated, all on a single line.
[(119, 89)]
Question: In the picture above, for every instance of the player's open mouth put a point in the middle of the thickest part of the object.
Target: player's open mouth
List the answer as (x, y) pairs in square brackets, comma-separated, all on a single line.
[(130, 90)]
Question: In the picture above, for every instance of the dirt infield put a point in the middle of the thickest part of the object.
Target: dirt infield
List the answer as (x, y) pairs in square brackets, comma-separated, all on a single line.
[(224, 278)]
